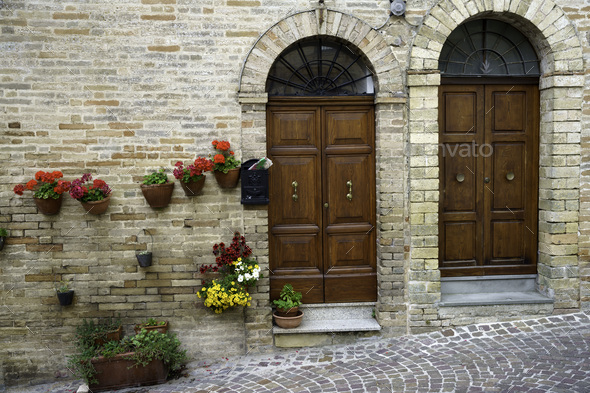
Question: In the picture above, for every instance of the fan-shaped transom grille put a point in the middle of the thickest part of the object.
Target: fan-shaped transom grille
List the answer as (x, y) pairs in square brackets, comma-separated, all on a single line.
[(319, 67), (487, 47)]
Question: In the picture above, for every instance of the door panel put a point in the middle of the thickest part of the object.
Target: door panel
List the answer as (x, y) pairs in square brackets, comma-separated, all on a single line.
[(488, 221), (322, 241)]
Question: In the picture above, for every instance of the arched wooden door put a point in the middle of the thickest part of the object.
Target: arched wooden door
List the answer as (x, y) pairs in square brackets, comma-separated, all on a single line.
[(322, 198), (488, 151)]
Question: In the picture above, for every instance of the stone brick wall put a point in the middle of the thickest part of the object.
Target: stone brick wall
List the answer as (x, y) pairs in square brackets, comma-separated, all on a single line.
[(120, 90)]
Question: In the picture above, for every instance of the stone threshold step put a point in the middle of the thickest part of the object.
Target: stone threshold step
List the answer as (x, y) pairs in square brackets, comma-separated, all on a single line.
[(492, 298), (331, 326)]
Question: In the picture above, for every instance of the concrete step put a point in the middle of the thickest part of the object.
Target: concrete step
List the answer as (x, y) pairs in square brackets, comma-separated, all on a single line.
[(322, 322), (491, 290)]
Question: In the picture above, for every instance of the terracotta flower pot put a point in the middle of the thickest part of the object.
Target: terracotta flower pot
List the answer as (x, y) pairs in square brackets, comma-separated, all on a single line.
[(288, 322), (158, 195), (120, 372), (114, 335), (65, 298), (287, 312), (193, 188), (229, 179), (97, 207), (160, 328), (48, 206)]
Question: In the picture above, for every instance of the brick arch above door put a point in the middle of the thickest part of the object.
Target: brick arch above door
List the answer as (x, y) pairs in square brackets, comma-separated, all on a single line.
[(366, 39), (558, 46)]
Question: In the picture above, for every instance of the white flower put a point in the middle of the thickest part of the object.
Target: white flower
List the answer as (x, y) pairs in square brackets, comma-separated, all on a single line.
[(240, 278), (255, 274), (248, 276)]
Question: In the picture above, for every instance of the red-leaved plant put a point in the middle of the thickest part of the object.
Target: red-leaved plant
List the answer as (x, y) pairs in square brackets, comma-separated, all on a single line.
[(192, 172), (45, 185), (225, 256), (98, 191)]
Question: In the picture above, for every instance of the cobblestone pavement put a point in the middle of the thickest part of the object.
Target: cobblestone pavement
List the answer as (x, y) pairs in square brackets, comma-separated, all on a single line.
[(549, 354)]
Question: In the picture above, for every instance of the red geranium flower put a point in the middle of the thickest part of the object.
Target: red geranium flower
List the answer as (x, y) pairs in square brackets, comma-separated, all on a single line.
[(18, 189), (219, 159), (31, 184)]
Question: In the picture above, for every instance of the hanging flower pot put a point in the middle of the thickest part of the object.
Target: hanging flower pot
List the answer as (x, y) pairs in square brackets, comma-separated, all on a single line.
[(48, 206), (193, 188), (65, 298), (144, 258), (156, 189), (97, 207), (192, 177), (229, 179)]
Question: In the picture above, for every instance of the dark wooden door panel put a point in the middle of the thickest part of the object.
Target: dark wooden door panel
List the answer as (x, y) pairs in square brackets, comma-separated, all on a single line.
[(327, 252), (488, 195)]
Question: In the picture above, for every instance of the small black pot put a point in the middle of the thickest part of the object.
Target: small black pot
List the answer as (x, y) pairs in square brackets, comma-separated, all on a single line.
[(2, 240), (65, 298), (144, 260)]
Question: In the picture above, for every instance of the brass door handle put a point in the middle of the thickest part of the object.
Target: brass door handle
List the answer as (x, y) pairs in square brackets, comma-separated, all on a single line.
[(510, 176), (460, 177), (486, 180), (349, 195), (294, 185)]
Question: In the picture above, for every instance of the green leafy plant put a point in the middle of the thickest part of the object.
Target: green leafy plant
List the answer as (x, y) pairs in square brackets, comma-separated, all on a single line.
[(144, 252), (153, 322), (156, 177), (63, 287), (288, 298), (3, 232), (89, 332), (142, 348)]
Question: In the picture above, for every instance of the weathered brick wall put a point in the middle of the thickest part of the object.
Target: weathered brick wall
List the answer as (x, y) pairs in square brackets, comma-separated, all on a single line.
[(120, 90)]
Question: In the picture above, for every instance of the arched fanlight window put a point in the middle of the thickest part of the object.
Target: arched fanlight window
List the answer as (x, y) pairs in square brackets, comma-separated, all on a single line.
[(487, 47), (319, 67)]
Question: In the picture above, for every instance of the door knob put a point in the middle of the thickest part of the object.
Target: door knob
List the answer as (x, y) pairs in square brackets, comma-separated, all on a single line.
[(326, 204), (486, 180), (510, 176), (460, 177)]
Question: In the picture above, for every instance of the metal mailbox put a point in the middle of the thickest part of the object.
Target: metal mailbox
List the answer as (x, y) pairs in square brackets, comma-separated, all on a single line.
[(254, 184)]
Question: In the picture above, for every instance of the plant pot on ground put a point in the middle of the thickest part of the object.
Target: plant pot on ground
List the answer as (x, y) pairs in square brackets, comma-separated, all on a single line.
[(156, 189), (94, 198), (288, 302), (3, 236), (288, 322), (192, 178), (152, 324), (144, 359), (65, 295)]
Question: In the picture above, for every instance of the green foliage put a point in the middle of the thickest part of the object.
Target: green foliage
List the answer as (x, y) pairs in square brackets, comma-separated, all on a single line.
[(152, 322), (145, 347), (288, 298), (157, 177), (144, 252), (63, 287), (3, 232), (89, 332)]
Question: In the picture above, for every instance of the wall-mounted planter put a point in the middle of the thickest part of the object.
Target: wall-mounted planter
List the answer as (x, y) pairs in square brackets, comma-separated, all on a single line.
[(229, 179), (97, 207), (193, 188), (158, 195), (48, 206), (65, 298), (120, 372), (144, 258)]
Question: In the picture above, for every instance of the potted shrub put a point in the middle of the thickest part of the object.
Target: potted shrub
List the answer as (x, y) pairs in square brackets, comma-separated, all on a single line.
[(152, 324), (192, 178), (288, 315), (156, 189), (144, 359), (94, 198), (144, 258), (226, 169), (65, 295), (47, 190), (237, 272), (3, 236), (97, 334)]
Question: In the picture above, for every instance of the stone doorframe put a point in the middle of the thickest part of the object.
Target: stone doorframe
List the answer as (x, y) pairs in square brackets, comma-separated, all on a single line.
[(389, 126), (561, 86)]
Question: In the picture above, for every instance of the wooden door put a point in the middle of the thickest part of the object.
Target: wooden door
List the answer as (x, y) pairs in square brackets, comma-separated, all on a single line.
[(322, 198), (488, 179)]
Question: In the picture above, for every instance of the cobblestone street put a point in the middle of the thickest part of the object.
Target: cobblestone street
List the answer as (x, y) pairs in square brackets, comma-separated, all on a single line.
[(550, 354)]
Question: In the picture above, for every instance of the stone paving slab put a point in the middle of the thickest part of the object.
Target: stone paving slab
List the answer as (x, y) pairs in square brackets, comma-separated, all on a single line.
[(550, 354)]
